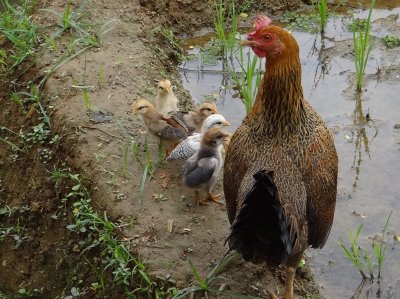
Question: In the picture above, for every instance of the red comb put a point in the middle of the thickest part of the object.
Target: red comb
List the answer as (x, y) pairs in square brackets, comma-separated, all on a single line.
[(260, 22)]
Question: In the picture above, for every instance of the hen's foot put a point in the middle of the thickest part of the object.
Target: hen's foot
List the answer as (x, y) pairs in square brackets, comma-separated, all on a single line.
[(214, 198)]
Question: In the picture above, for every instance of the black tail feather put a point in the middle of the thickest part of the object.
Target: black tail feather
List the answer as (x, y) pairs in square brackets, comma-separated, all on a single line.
[(261, 231)]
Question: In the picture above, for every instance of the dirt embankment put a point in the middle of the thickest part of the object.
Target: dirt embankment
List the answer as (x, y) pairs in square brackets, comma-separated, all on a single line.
[(131, 58)]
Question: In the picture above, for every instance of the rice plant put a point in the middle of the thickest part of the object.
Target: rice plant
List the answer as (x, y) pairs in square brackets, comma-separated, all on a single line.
[(357, 256), (323, 14), (361, 258), (249, 78), (362, 47), (380, 250)]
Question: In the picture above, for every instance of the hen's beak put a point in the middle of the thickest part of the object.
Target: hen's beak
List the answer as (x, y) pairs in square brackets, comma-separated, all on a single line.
[(248, 43), (226, 123)]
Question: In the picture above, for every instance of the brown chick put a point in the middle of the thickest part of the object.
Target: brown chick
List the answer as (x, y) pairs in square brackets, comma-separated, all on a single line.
[(280, 171), (157, 124), (193, 120), (165, 101), (201, 170)]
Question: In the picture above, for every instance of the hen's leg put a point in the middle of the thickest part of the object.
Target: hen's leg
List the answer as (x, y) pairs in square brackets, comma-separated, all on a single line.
[(290, 272), (213, 198)]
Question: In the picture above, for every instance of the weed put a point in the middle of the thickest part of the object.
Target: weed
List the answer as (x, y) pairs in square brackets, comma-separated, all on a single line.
[(362, 47), (357, 24), (148, 168), (69, 20), (391, 41), (171, 38), (126, 269), (301, 22), (125, 161), (17, 26), (102, 79), (208, 285)]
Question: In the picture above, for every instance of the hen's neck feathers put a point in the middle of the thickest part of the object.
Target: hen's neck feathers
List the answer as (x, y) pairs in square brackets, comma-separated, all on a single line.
[(279, 105)]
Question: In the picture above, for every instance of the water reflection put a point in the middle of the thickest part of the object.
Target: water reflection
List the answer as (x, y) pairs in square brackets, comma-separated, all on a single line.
[(362, 127)]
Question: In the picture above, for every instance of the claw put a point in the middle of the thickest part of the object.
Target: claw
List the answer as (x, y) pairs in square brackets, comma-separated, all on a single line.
[(214, 198)]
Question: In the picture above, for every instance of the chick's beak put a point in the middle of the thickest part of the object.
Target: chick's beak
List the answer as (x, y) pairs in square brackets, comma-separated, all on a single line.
[(226, 123)]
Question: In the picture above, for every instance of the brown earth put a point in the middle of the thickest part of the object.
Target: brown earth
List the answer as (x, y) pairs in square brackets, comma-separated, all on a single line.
[(132, 57)]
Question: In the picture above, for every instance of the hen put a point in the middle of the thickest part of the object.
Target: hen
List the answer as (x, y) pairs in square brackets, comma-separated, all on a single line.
[(201, 170), (191, 144), (165, 101), (280, 173)]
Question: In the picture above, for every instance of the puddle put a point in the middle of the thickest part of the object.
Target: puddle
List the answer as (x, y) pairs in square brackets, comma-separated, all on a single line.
[(366, 138)]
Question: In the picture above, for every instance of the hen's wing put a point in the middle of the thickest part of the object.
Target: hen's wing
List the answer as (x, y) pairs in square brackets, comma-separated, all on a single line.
[(320, 179), (199, 171), (187, 148)]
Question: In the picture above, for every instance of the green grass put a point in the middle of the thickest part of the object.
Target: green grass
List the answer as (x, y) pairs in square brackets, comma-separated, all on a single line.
[(301, 22), (17, 26), (362, 47)]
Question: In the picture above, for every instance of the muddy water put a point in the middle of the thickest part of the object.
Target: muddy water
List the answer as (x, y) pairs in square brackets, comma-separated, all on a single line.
[(366, 138)]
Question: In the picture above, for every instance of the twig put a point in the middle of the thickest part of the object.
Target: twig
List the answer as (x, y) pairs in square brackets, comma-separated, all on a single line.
[(94, 128)]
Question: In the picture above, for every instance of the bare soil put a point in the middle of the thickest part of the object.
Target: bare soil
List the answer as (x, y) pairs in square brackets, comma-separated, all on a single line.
[(133, 56)]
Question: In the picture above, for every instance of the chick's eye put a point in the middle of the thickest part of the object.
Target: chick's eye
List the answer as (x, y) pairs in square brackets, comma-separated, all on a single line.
[(207, 109), (219, 123), (141, 107), (267, 37)]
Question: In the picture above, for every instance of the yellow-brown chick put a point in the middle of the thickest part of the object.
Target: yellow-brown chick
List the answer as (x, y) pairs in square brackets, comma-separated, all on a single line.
[(165, 101), (193, 120), (163, 127), (201, 170)]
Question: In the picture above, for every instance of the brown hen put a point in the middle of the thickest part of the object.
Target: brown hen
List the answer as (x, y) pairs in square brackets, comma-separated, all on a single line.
[(280, 173)]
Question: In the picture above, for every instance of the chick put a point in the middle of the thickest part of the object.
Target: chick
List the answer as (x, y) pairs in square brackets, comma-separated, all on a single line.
[(165, 100), (194, 119), (225, 145), (159, 125), (201, 170), (191, 145)]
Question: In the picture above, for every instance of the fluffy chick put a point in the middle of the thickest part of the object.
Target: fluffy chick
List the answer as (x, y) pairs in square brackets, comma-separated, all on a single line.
[(201, 170), (163, 127), (193, 120), (165, 101), (191, 145)]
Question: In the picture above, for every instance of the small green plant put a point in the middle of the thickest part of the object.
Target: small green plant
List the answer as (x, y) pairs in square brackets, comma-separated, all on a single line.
[(362, 47), (391, 41)]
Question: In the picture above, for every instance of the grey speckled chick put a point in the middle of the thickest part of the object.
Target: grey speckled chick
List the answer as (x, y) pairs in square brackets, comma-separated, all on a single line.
[(201, 170), (191, 145)]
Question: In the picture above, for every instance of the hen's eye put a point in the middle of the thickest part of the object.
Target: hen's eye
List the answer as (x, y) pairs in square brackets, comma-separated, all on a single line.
[(267, 37)]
